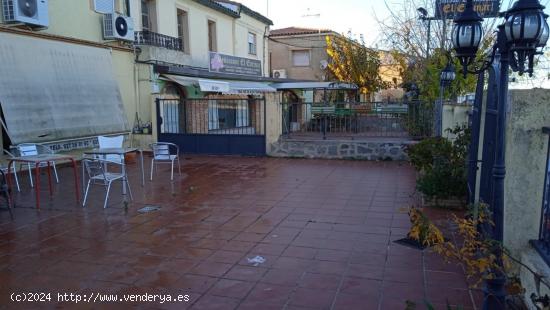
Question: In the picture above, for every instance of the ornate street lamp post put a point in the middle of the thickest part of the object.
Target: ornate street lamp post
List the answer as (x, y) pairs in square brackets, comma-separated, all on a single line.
[(446, 77), (466, 36), (519, 39)]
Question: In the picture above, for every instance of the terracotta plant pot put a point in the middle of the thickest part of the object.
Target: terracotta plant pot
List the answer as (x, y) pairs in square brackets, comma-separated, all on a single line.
[(454, 203)]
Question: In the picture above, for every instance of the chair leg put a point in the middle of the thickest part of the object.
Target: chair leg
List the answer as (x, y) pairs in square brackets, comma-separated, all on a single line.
[(8, 201), (16, 178), (55, 172), (129, 189), (152, 167), (86, 193), (172, 171), (30, 174), (179, 165), (107, 195)]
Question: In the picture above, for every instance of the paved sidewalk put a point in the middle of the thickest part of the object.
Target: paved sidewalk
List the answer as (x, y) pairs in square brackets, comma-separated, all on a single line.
[(324, 228)]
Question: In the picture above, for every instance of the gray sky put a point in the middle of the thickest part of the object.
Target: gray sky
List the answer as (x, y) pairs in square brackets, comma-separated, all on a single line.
[(340, 16)]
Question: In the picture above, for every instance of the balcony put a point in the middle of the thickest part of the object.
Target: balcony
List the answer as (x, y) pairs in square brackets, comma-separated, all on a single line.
[(158, 40)]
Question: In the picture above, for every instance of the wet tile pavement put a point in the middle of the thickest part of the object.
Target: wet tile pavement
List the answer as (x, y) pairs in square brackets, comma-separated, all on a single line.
[(324, 228)]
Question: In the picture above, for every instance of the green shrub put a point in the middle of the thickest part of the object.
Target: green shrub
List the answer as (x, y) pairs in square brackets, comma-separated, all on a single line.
[(442, 164)]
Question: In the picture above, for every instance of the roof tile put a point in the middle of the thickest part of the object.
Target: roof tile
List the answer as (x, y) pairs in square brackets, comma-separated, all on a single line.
[(297, 31)]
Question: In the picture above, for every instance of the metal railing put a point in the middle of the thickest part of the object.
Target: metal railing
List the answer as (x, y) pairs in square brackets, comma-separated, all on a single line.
[(156, 39), (542, 245), (354, 120), (212, 116)]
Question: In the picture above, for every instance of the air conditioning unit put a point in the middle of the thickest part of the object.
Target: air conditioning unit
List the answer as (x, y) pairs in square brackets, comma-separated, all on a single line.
[(30, 12), (118, 27), (279, 74)]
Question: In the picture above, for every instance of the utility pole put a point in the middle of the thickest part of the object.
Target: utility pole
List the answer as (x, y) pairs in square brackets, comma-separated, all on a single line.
[(424, 16)]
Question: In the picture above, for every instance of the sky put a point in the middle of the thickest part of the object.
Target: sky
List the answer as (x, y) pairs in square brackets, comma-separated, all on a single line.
[(339, 16), (358, 15)]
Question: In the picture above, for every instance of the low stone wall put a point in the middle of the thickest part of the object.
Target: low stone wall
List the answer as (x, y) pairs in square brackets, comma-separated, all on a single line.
[(340, 149)]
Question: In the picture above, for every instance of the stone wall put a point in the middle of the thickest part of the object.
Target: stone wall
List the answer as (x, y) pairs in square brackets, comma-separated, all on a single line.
[(526, 150), (526, 147), (339, 149), (274, 119)]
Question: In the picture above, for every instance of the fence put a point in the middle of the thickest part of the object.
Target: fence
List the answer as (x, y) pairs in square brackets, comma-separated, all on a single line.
[(357, 119), (212, 116)]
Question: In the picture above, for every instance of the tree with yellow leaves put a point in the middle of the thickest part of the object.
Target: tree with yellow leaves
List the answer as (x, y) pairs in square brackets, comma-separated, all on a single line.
[(352, 62)]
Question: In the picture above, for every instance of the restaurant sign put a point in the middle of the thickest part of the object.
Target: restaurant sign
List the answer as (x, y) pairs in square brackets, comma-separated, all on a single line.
[(222, 63), (450, 9)]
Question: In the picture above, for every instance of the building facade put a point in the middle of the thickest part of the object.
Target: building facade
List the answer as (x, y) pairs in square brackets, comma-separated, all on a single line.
[(301, 53), (140, 40)]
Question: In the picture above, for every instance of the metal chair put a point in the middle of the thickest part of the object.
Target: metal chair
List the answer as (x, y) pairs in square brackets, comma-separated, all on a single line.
[(97, 175), (7, 170), (164, 152), (31, 149), (111, 142), (5, 192)]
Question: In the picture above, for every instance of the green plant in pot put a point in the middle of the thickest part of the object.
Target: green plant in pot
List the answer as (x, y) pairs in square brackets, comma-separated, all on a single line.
[(442, 168)]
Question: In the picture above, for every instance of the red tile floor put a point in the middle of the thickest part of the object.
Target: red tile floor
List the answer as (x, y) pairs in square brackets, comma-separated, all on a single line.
[(325, 229)]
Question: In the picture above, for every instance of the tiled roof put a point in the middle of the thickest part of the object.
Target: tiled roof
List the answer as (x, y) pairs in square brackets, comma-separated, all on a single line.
[(239, 7), (297, 31), (216, 6)]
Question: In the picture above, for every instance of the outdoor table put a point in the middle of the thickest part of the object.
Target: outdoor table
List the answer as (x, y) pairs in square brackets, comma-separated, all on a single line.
[(118, 151), (45, 158)]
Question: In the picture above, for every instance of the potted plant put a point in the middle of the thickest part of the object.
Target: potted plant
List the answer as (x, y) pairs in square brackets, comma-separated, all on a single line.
[(441, 166)]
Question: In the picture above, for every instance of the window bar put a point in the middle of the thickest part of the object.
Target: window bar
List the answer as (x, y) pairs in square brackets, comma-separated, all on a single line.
[(168, 116), (171, 104)]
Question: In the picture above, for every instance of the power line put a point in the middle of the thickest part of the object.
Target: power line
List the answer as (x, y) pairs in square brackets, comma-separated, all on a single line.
[(293, 45)]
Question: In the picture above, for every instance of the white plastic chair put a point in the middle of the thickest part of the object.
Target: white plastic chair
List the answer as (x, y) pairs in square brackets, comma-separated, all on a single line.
[(31, 149), (97, 175), (6, 170), (111, 142), (164, 152)]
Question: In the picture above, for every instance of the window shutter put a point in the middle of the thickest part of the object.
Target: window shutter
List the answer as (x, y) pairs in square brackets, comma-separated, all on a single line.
[(104, 6), (300, 58)]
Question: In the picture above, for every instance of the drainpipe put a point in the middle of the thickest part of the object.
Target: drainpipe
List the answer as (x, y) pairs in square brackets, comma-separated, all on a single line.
[(234, 34), (136, 90), (136, 80), (266, 51)]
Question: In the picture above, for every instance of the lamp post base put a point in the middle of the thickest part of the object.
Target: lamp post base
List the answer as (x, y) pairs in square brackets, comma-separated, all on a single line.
[(495, 294)]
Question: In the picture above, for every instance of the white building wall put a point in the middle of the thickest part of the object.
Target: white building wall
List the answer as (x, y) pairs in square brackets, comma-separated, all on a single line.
[(247, 24), (231, 33)]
